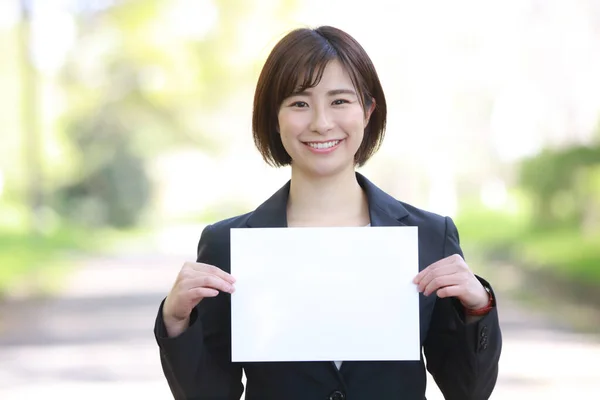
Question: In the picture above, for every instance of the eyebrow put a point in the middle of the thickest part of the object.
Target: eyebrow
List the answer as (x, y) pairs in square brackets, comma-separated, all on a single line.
[(333, 92)]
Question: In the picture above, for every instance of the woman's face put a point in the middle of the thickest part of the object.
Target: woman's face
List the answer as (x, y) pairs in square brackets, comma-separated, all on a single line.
[(322, 128)]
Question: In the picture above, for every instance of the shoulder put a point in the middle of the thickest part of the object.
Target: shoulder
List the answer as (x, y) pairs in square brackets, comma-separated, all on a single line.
[(415, 216), (438, 235), (408, 214), (218, 231), (434, 229), (423, 217), (214, 243)]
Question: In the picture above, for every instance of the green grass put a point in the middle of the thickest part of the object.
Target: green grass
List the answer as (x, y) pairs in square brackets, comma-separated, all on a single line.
[(38, 263), (38, 259), (564, 252), (493, 229), (567, 252)]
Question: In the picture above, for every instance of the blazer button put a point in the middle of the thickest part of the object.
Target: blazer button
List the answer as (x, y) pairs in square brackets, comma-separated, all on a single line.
[(337, 395), (483, 343), (484, 331)]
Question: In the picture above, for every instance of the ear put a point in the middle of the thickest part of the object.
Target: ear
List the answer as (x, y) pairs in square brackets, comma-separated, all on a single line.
[(369, 111)]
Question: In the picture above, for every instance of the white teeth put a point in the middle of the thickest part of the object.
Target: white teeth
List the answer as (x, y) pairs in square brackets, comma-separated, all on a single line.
[(325, 145)]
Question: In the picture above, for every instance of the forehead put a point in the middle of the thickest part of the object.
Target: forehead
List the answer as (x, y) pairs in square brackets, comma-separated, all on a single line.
[(330, 75)]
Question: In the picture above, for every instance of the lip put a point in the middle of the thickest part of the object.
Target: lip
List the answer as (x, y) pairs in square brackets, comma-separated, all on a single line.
[(320, 141), (323, 151)]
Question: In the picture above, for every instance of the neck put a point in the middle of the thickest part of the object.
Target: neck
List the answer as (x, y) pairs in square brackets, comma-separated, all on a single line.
[(326, 201)]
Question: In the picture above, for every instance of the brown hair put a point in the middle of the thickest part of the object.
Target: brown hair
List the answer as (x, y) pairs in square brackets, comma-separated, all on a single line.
[(303, 54)]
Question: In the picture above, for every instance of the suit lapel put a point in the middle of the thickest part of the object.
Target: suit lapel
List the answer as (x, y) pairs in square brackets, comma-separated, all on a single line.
[(384, 210), (273, 212)]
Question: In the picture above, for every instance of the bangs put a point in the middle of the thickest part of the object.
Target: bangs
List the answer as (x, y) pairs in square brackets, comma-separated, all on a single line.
[(303, 66), (304, 70)]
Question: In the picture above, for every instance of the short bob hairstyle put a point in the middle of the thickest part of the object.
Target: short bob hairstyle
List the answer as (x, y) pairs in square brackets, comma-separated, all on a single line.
[(303, 54)]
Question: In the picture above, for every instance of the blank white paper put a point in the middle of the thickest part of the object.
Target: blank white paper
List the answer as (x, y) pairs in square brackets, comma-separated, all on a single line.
[(323, 294)]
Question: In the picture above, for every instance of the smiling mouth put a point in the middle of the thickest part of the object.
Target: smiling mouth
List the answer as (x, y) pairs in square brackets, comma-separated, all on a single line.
[(323, 145)]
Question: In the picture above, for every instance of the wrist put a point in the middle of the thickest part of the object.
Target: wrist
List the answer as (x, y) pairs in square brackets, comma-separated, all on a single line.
[(175, 327), (482, 308)]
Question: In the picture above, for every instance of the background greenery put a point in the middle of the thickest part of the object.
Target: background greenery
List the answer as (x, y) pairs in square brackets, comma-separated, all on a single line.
[(80, 142)]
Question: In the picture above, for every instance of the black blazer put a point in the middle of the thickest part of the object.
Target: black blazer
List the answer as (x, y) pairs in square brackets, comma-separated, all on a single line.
[(462, 358)]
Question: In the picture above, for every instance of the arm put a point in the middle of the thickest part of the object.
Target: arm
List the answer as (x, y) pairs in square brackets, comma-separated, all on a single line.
[(197, 362), (462, 357)]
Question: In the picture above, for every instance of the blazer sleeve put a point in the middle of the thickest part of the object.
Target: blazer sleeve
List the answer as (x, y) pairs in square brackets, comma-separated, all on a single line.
[(197, 364), (462, 358)]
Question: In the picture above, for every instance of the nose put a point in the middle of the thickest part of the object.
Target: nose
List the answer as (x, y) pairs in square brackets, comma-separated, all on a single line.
[(321, 122)]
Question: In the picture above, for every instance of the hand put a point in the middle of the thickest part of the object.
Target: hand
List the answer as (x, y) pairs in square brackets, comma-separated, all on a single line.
[(451, 277), (194, 282)]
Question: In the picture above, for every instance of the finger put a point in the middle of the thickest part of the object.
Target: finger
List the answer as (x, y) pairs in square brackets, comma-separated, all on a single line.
[(430, 269), (220, 273), (209, 281), (444, 261), (441, 282), (213, 270), (202, 292), (439, 272), (450, 291), (422, 274)]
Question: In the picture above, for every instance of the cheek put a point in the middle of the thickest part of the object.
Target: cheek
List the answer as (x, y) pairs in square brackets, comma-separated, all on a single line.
[(354, 117), (286, 133), (356, 125), (290, 126)]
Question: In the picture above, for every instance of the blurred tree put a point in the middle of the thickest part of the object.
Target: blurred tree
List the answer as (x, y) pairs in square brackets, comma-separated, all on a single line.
[(145, 76), (564, 185), (30, 118), (112, 186)]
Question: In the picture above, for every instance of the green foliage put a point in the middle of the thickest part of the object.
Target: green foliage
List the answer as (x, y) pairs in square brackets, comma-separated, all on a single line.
[(114, 193), (134, 85), (566, 252), (10, 117), (561, 182), (140, 85), (556, 223), (494, 230)]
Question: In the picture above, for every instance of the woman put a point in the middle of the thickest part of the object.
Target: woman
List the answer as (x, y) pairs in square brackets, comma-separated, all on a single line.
[(319, 107)]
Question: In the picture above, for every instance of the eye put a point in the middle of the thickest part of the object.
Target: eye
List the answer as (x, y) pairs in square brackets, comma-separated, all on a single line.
[(339, 102), (299, 104)]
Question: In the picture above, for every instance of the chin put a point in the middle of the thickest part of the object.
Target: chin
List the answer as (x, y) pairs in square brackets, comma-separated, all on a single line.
[(325, 170)]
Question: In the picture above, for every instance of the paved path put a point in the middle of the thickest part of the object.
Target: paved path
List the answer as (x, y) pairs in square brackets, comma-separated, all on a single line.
[(95, 341)]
